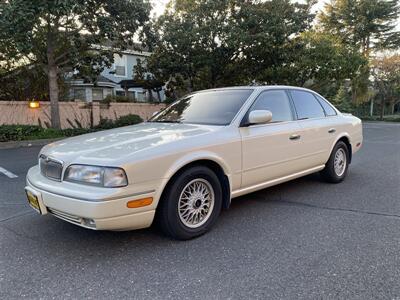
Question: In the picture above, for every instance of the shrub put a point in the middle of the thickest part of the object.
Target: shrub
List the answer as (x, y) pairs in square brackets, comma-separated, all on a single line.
[(104, 124), (128, 120), (33, 132), (26, 132)]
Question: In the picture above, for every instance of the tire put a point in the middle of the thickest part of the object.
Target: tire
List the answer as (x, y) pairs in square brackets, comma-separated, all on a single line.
[(191, 204), (338, 174)]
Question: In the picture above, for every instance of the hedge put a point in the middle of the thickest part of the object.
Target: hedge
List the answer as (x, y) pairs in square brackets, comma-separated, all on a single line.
[(34, 132)]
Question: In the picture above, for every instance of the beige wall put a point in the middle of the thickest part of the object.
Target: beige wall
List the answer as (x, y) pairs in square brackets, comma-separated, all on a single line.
[(18, 112)]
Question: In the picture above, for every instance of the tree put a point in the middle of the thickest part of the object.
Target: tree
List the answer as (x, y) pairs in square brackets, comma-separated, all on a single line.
[(193, 44), (61, 36), (148, 81), (266, 34), (386, 72), (324, 62), (365, 24)]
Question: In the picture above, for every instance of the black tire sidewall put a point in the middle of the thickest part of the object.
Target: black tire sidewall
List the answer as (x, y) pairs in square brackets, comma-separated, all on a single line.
[(330, 172), (177, 228)]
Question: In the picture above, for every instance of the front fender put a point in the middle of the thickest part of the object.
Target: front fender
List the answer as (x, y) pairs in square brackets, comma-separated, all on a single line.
[(196, 156)]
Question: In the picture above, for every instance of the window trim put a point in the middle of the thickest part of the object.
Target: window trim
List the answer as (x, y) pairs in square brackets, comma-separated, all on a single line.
[(327, 102), (294, 106), (244, 123)]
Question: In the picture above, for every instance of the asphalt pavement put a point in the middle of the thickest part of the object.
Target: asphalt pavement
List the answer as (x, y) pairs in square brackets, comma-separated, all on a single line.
[(304, 239)]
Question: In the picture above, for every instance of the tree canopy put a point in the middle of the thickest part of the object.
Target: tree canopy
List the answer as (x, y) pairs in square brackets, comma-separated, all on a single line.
[(60, 36)]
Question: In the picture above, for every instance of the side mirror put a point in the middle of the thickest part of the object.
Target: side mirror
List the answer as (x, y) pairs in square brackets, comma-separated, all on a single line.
[(260, 116)]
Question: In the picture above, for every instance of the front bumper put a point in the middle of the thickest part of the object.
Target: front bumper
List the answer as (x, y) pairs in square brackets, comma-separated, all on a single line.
[(102, 212)]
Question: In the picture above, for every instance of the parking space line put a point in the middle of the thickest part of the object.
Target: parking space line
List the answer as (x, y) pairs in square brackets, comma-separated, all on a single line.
[(7, 173)]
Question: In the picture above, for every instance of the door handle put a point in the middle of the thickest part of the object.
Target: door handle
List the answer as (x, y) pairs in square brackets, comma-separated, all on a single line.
[(294, 137), (332, 130)]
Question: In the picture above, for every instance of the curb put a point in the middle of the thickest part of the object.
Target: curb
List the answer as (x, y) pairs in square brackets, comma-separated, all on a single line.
[(29, 143)]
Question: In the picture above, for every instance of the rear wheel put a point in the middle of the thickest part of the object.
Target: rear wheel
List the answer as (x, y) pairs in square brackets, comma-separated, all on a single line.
[(191, 204), (337, 166)]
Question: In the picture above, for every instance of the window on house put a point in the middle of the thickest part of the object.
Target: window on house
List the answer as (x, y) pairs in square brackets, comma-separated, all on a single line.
[(120, 65), (80, 94), (120, 93), (97, 94)]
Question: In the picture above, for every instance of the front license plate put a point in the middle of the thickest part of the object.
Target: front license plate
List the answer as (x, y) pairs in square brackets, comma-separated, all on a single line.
[(33, 201)]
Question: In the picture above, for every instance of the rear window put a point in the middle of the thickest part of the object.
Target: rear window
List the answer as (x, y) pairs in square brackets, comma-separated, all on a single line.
[(327, 107), (307, 106)]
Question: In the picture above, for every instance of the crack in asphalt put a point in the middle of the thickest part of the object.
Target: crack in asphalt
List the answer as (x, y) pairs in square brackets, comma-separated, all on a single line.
[(365, 212), (16, 216)]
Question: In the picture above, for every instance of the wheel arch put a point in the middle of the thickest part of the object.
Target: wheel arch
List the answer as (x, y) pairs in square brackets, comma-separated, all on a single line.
[(345, 138), (210, 161)]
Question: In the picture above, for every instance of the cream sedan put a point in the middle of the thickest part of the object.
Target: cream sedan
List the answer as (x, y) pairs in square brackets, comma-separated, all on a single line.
[(184, 165)]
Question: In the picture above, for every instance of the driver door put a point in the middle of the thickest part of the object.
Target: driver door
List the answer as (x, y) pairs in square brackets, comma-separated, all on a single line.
[(271, 150)]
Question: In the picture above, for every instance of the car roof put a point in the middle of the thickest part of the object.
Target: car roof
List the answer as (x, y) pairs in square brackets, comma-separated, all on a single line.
[(258, 87)]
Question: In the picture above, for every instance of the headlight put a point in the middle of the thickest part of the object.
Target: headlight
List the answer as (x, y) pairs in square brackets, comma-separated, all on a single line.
[(94, 175)]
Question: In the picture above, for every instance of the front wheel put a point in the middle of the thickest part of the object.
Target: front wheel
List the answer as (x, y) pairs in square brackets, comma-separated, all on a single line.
[(191, 204), (337, 166)]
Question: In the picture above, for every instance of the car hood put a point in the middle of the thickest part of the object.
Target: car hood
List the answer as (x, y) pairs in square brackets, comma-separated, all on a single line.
[(111, 145)]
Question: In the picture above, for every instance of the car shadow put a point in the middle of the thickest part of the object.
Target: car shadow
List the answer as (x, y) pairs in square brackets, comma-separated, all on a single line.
[(76, 242)]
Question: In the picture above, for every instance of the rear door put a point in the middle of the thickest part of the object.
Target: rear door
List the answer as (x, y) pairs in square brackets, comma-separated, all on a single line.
[(317, 131)]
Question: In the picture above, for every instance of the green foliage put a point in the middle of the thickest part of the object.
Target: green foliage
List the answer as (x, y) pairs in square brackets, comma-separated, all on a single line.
[(206, 44), (32, 132), (389, 118), (60, 36), (147, 80), (26, 132), (342, 100), (366, 24), (126, 120), (24, 83)]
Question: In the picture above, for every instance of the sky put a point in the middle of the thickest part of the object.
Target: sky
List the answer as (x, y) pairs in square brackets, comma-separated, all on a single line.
[(159, 6)]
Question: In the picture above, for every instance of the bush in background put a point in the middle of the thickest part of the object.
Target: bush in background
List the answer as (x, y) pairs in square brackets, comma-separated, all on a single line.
[(34, 132)]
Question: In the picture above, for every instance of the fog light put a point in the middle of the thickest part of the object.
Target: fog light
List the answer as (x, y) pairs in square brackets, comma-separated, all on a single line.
[(89, 222), (139, 202)]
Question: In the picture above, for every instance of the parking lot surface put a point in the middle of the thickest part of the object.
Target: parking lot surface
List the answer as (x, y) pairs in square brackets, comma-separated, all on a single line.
[(304, 239)]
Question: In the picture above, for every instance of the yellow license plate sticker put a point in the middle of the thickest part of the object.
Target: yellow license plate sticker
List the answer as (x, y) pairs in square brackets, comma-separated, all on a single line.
[(33, 201)]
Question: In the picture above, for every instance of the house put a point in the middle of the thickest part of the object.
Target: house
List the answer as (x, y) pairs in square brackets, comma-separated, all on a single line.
[(117, 81)]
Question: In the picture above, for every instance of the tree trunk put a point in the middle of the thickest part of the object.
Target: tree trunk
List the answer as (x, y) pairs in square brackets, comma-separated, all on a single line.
[(382, 108), (371, 112), (150, 95), (52, 74), (158, 95)]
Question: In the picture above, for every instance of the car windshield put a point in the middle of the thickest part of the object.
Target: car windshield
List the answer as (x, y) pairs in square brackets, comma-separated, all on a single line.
[(208, 107)]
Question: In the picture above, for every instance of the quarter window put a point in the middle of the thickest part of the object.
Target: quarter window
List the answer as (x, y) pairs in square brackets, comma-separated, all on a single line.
[(307, 106), (277, 102), (327, 107)]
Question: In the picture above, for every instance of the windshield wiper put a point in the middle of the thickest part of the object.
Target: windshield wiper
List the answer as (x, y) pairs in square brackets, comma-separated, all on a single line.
[(165, 121)]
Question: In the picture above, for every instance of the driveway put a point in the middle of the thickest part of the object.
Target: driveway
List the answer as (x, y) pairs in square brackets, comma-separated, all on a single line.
[(304, 239)]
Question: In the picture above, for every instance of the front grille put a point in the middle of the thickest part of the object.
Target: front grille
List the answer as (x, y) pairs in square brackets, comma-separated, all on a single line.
[(50, 168)]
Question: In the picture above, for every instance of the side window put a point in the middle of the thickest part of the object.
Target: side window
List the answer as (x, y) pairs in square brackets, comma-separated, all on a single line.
[(327, 107), (307, 106), (276, 102)]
